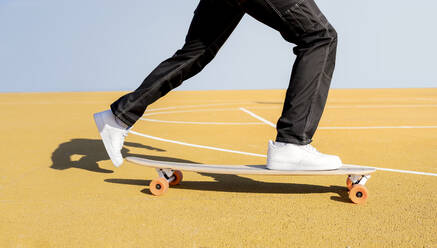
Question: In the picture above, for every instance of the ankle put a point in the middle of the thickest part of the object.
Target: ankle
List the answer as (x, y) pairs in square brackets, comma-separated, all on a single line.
[(121, 123)]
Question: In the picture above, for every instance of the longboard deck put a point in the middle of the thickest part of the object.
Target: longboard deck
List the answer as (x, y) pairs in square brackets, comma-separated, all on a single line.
[(346, 169)]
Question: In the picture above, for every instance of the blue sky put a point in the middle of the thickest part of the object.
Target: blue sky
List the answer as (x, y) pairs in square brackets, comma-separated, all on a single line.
[(106, 45)]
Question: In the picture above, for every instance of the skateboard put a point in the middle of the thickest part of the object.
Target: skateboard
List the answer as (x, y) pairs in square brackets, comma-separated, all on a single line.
[(170, 174)]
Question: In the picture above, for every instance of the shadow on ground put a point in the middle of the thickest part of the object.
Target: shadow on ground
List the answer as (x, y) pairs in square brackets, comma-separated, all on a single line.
[(239, 184), (86, 153)]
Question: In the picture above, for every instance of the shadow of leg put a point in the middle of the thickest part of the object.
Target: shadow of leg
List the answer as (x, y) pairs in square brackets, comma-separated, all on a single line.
[(90, 151)]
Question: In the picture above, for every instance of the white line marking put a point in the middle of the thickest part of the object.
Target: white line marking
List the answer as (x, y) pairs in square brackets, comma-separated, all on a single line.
[(53, 102), (203, 123), (359, 106), (385, 106), (198, 146), (408, 172), (200, 105), (375, 127), (273, 125), (261, 155), (189, 111), (258, 117)]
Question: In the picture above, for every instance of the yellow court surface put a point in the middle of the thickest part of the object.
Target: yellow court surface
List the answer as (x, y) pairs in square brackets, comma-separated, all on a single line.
[(58, 187)]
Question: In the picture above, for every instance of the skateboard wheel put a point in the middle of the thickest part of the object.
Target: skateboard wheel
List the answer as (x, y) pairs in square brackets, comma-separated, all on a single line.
[(349, 183), (178, 178), (358, 194), (158, 186)]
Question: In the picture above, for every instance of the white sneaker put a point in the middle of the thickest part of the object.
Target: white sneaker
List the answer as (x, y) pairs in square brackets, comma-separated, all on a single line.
[(112, 134), (285, 156)]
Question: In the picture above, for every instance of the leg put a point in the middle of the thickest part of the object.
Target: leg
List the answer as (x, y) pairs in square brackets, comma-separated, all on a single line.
[(302, 23), (213, 22)]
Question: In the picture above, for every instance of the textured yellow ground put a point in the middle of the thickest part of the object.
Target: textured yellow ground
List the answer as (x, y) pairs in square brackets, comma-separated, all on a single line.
[(58, 189)]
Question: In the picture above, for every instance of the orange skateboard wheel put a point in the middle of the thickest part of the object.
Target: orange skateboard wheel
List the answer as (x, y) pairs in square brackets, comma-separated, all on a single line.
[(178, 177), (349, 183), (358, 194), (158, 186)]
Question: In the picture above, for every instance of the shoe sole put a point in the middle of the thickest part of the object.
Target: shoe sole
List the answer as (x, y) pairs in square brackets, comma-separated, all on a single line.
[(106, 142)]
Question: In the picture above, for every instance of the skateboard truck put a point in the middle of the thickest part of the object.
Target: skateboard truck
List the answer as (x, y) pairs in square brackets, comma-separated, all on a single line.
[(357, 179), (167, 174), (166, 178), (358, 193)]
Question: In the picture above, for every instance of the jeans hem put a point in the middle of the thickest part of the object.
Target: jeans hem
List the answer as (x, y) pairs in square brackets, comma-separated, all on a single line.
[(122, 117), (293, 140)]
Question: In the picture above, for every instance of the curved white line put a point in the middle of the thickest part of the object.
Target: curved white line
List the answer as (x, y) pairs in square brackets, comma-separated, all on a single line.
[(203, 123), (360, 106), (375, 127), (198, 146), (262, 155), (385, 106), (273, 125), (200, 105), (189, 111)]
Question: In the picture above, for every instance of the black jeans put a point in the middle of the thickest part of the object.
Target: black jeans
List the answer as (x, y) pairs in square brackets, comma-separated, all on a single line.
[(298, 21)]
